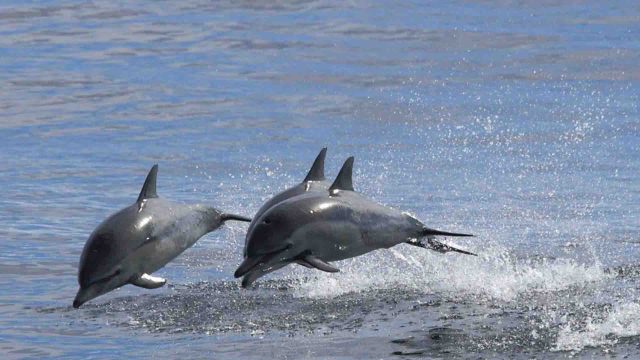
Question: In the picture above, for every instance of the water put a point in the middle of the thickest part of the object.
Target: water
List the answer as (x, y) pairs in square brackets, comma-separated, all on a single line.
[(516, 120)]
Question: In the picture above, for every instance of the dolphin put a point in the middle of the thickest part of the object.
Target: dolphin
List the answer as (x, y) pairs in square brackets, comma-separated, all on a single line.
[(313, 182), (131, 244), (316, 228)]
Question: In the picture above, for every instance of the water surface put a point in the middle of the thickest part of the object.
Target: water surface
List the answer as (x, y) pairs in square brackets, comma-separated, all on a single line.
[(517, 121)]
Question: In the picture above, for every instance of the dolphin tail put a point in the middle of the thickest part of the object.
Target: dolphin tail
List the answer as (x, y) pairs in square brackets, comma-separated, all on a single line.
[(225, 217), (432, 232), (434, 245)]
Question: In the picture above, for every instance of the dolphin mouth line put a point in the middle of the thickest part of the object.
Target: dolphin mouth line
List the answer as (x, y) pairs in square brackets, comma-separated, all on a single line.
[(250, 263), (77, 302), (259, 271), (104, 279)]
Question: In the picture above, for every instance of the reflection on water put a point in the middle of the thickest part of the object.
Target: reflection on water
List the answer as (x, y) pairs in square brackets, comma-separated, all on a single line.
[(514, 120)]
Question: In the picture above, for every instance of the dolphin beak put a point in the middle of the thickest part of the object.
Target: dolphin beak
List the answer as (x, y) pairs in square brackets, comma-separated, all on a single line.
[(259, 272), (86, 294), (248, 264), (77, 303), (81, 297)]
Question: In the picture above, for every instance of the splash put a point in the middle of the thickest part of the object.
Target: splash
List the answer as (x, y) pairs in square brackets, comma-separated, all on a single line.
[(498, 277), (623, 320)]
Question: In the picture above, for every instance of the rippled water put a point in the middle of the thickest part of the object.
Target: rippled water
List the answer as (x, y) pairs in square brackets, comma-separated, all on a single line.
[(517, 121)]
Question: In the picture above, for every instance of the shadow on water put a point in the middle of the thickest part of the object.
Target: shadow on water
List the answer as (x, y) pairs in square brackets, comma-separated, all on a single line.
[(419, 323), (224, 307)]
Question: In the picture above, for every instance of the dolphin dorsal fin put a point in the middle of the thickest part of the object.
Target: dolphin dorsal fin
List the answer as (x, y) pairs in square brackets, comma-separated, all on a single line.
[(316, 173), (344, 179), (149, 188)]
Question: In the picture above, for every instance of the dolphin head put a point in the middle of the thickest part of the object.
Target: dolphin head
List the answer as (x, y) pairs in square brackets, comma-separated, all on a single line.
[(270, 240), (101, 267), (270, 234), (93, 289), (281, 235)]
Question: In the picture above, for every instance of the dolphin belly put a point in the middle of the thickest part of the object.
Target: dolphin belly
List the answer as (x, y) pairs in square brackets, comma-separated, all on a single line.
[(158, 252), (331, 240)]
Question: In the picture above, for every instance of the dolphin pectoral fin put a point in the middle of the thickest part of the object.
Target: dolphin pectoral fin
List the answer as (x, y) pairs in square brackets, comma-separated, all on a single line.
[(434, 245), (148, 282), (226, 217), (312, 261), (304, 263)]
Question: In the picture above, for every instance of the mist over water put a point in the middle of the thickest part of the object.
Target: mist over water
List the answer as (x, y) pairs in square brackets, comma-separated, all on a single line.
[(515, 121)]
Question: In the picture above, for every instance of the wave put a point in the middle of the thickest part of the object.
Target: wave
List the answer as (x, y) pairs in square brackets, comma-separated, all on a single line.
[(622, 320), (498, 276)]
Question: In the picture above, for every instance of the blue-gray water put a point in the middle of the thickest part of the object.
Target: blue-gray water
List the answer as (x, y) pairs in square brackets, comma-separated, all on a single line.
[(517, 121)]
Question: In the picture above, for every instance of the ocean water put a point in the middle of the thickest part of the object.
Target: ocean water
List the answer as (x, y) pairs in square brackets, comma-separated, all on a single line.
[(517, 121)]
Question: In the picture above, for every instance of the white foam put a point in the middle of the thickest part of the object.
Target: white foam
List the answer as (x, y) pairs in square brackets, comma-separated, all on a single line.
[(623, 320), (498, 277)]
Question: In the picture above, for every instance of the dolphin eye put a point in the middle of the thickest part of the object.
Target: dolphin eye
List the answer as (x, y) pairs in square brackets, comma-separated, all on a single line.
[(116, 273), (267, 221)]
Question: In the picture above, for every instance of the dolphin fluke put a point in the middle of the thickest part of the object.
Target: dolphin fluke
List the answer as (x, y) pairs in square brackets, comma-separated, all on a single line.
[(432, 232), (225, 217), (316, 173), (434, 245), (344, 180), (149, 188)]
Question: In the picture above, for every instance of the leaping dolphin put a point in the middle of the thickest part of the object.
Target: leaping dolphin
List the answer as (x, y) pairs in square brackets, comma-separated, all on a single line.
[(131, 244), (315, 228), (313, 182)]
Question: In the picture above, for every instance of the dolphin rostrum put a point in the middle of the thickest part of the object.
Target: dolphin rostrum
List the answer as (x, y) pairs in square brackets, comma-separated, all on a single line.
[(131, 244), (315, 228), (313, 182)]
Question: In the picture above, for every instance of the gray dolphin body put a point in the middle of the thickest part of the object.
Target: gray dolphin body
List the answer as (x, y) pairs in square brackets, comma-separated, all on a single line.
[(315, 228), (313, 182), (138, 240)]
